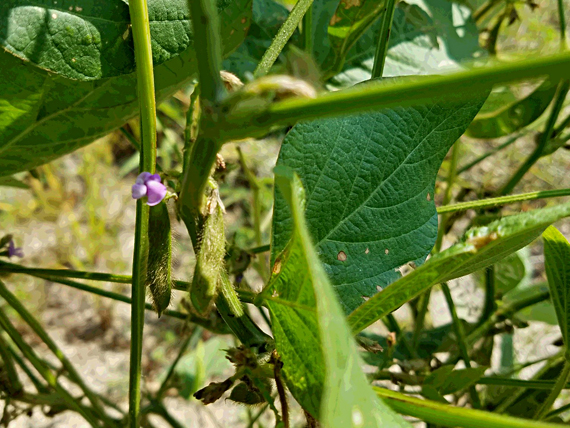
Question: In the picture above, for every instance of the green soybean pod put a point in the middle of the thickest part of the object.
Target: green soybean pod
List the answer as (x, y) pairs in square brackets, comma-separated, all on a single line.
[(210, 259), (158, 278)]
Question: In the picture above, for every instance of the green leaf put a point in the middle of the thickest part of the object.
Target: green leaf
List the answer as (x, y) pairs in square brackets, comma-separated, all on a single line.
[(92, 39), (158, 278), (43, 117), (541, 311), (481, 247), (515, 115), (557, 266), (426, 36), (370, 185), (321, 363)]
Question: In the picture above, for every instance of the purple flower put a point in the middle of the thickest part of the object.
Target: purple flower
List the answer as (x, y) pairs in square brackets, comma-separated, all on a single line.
[(13, 251), (149, 185)]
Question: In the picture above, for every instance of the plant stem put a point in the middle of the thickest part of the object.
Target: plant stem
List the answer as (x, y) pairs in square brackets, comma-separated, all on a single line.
[(282, 37), (208, 49), (145, 83), (243, 122), (14, 386), (44, 371), (461, 342), (54, 274), (562, 25), (482, 11), (489, 306), (383, 39), (393, 325), (503, 200), (446, 415), (69, 368), (490, 153), (231, 310), (130, 137), (557, 106), (42, 388), (308, 30), (192, 122), (558, 387)]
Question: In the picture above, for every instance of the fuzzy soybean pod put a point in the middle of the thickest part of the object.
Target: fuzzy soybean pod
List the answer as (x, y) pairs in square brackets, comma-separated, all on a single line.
[(158, 278), (210, 260)]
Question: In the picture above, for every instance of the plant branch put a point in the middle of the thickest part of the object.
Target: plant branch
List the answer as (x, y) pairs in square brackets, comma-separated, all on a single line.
[(145, 83), (208, 50), (383, 39), (461, 341), (243, 122), (545, 137), (282, 37), (502, 200)]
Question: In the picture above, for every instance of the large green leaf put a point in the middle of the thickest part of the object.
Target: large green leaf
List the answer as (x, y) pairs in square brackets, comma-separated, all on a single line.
[(515, 115), (91, 39), (321, 363), (427, 36), (370, 182), (51, 116), (557, 266), (482, 247)]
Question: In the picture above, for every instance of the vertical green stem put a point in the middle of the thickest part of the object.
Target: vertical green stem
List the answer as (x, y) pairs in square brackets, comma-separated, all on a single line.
[(558, 386), (489, 305), (461, 339), (15, 386), (544, 138), (562, 23), (208, 49), (383, 39), (282, 37), (145, 86), (308, 30)]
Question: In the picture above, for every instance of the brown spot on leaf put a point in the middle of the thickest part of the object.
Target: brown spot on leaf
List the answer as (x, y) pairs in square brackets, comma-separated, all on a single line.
[(335, 18), (277, 267), (428, 197), (367, 251), (244, 20), (341, 256)]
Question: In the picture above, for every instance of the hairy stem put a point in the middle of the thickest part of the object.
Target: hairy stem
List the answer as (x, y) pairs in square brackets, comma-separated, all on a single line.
[(383, 39), (145, 85), (282, 37), (502, 200)]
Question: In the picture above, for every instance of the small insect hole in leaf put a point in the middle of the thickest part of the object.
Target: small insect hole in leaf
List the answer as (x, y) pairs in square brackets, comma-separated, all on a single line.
[(386, 251), (367, 251)]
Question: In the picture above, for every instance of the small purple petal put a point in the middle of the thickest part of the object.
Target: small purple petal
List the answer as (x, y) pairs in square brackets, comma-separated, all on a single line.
[(143, 177), (13, 251), (138, 190), (154, 177), (156, 192)]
